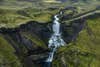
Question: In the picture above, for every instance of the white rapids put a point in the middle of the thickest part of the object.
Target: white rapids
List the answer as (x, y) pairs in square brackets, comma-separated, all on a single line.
[(55, 41)]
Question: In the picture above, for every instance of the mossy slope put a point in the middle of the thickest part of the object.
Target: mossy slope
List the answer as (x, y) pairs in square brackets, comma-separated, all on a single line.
[(7, 56), (85, 51)]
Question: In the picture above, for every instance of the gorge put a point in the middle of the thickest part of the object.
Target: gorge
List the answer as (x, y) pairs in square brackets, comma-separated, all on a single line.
[(30, 42)]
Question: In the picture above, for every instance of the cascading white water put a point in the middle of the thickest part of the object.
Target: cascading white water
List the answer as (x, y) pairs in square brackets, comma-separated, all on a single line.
[(55, 41)]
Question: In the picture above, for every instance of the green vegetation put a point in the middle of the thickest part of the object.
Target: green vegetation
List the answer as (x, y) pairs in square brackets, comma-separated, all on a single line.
[(85, 51), (35, 39), (14, 13), (7, 56), (13, 18)]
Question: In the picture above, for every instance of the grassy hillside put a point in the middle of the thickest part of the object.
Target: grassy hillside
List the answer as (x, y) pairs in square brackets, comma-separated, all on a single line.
[(14, 13), (7, 56), (85, 51)]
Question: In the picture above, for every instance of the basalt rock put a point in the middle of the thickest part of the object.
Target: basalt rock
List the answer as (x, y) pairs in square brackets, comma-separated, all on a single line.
[(30, 40), (25, 38)]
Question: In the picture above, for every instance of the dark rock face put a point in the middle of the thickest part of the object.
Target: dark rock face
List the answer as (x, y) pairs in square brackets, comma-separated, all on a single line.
[(71, 31), (25, 47), (28, 50)]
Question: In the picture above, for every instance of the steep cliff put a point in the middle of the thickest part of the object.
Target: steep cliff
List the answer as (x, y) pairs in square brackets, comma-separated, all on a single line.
[(27, 44), (26, 26)]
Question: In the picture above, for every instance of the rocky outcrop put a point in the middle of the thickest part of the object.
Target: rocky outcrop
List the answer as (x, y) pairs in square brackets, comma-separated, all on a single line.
[(25, 39), (30, 40)]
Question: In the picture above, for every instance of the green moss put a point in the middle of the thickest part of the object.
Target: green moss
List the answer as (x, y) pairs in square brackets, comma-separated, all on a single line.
[(85, 52), (14, 13), (14, 18), (44, 17), (35, 39), (7, 56)]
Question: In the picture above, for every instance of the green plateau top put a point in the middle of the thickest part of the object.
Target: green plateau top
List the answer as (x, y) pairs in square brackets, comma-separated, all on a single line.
[(14, 13)]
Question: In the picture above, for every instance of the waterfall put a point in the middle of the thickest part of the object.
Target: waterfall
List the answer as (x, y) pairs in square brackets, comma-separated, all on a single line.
[(55, 41)]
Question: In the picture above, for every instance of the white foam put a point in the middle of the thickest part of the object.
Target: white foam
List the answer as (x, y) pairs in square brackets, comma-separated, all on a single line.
[(55, 41)]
